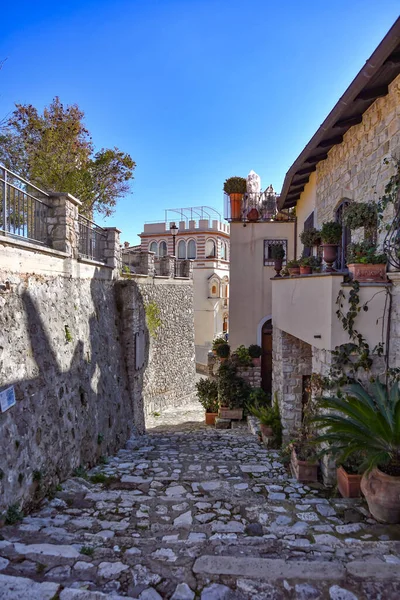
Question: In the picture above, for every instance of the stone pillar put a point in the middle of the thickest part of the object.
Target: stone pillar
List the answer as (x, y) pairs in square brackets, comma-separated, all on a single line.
[(291, 359), (112, 248), (62, 223), (167, 266)]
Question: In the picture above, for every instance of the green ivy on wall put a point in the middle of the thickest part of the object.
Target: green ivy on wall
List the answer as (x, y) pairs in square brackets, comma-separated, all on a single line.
[(153, 320)]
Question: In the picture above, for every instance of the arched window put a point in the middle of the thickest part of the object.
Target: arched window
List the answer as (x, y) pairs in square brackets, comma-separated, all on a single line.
[(214, 290), (210, 249), (153, 247), (191, 250), (182, 249), (162, 249), (224, 251)]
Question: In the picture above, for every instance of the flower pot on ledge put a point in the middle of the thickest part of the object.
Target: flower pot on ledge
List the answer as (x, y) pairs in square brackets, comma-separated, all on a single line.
[(365, 273), (253, 215), (236, 206), (236, 414), (330, 255), (348, 483), (293, 271), (305, 270), (303, 470), (210, 418)]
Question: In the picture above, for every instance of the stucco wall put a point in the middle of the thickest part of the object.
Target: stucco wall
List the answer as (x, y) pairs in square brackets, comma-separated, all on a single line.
[(250, 281), (305, 207)]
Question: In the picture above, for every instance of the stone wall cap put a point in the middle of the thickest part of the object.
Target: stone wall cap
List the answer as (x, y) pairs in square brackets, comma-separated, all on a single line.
[(113, 229), (22, 243), (70, 197)]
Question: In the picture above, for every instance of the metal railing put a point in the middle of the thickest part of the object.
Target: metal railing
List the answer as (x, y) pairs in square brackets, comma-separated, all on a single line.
[(92, 240), (23, 208), (257, 206)]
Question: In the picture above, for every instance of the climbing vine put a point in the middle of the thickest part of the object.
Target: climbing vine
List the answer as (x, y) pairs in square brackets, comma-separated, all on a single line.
[(391, 194), (153, 320)]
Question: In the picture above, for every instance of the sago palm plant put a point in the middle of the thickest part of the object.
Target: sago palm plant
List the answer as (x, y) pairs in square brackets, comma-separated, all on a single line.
[(366, 422)]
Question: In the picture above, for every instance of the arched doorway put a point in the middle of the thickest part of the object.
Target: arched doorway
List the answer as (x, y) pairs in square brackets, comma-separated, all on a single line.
[(266, 357)]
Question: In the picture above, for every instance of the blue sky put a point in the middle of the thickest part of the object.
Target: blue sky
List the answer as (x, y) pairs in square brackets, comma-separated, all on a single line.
[(195, 90)]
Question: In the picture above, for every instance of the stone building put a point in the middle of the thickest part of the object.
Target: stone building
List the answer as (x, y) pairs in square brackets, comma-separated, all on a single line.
[(81, 344), (350, 158), (199, 236), (253, 235)]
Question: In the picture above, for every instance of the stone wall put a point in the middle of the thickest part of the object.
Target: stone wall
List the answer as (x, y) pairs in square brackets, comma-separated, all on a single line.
[(167, 377), (252, 375), (354, 169)]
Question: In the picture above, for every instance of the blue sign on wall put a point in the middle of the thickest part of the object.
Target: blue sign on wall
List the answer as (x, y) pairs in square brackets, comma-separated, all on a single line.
[(7, 399)]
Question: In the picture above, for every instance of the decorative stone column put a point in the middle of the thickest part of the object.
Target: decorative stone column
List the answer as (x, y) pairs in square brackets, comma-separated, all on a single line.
[(112, 248), (167, 266), (62, 223)]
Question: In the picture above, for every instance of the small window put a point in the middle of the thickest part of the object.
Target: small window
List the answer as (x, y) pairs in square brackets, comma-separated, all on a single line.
[(223, 251), (163, 249), (210, 249), (153, 247), (268, 245), (182, 249), (214, 290), (191, 253)]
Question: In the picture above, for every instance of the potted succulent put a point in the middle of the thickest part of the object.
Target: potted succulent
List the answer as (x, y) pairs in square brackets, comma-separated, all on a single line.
[(365, 263), (293, 267), (255, 352), (278, 254), (368, 421), (349, 477), (305, 265), (207, 394), (362, 214), (310, 237), (216, 342), (235, 187), (233, 391), (331, 235), (223, 351)]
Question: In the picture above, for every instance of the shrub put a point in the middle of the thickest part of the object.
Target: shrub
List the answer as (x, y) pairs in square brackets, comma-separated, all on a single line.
[(207, 394), (331, 232), (242, 357), (255, 351), (223, 350), (259, 397), (361, 214), (278, 252), (269, 416), (233, 390), (364, 253), (235, 185), (310, 237), (217, 341)]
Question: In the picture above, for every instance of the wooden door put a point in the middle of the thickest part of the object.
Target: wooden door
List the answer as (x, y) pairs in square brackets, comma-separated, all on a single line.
[(266, 358)]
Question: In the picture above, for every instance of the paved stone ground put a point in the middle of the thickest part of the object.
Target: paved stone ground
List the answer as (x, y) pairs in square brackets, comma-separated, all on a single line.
[(188, 511)]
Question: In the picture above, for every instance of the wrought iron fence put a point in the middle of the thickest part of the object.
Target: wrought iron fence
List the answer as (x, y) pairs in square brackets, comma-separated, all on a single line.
[(92, 240), (257, 206), (23, 208)]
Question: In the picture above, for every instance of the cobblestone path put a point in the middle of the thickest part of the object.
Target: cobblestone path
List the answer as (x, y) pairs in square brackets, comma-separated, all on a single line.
[(188, 512)]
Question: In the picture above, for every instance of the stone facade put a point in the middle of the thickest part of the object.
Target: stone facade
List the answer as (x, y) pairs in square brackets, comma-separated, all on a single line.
[(355, 169), (252, 375)]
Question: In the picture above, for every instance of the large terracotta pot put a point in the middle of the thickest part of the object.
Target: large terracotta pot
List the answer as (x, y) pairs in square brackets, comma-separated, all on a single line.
[(348, 483), (382, 493), (236, 206), (231, 413), (330, 255), (305, 270), (253, 215), (210, 418), (303, 470), (369, 272), (278, 266)]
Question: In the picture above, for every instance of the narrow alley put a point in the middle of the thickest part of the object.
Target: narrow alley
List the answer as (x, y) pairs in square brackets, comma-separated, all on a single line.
[(187, 511)]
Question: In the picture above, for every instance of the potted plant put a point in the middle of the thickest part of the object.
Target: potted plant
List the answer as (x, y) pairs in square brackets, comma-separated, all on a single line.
[(367, 421), (233, 391), (235, 187), (216, 342), (304, 459), (305, 265), (365, 263), (270, 422), (331, 235), (310, 237), (253, 215), (241, 357), (285, 272), (255, 352), (293, 267), (349, 477), (362, 214), (315, 263), (207, 394), (223, 351), (278, 254)]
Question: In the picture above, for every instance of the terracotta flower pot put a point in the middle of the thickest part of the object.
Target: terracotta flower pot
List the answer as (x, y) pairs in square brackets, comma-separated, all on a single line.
[(369, 272), (330, 255), (266, 430), (382, 493), (303, 470), (253, 215), (294, 271), (231, 413), (278, 266), (236, 206), (256, 361), (210, 418), (348, 483), (305, 270)]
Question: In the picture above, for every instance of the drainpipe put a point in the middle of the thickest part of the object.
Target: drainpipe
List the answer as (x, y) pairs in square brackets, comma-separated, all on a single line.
[(295, 238)]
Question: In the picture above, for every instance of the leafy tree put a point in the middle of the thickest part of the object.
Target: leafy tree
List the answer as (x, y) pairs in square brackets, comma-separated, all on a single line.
[(55, 151)]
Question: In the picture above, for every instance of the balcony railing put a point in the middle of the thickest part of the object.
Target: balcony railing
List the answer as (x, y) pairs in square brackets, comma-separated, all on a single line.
[(92, 239), (23, 208), (257, 206)]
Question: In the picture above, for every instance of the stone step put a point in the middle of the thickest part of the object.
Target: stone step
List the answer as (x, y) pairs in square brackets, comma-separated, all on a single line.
[(270, 569)]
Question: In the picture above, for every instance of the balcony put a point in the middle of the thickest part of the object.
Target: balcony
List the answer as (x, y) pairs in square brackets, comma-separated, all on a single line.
[(255, 207), (305, 307)]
